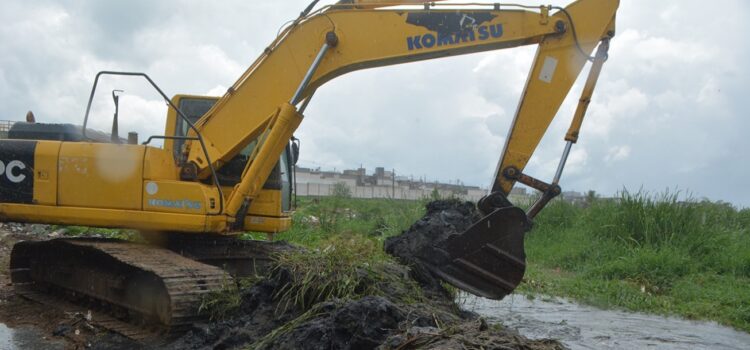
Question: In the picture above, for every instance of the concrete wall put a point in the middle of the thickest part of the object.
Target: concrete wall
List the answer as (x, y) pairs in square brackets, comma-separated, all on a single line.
[(388, 191)]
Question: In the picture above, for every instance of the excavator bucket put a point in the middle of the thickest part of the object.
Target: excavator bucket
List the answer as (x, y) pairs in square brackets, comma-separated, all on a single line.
[(488, 259)]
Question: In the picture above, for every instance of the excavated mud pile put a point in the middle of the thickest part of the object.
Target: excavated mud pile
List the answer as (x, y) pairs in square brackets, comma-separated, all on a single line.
[(387, 305), (444, 218), (392, 317), (263, 321)]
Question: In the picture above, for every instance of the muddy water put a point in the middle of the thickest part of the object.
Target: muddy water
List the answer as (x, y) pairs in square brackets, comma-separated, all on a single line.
[(24, 338), (585, 327)]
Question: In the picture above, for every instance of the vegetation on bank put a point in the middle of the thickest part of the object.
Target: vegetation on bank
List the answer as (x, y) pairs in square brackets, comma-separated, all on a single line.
[(654, 253)]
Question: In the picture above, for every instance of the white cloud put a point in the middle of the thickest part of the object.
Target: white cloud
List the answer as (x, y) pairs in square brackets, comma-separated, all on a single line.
[(577, 161), (617, 153), (710, 94)]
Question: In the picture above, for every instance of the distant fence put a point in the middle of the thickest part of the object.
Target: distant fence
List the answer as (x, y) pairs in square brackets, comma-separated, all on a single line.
[(5, 126), (320, 189)]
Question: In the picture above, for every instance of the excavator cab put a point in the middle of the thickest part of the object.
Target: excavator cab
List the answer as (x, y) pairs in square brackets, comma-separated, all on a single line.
[(275, 200)]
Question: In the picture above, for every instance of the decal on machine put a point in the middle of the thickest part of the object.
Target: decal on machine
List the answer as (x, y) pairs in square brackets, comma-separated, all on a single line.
[(451, 28), (17, 171), (175, 204)]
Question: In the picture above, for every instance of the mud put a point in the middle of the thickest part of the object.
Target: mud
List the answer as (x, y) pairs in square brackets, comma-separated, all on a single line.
[(395, 317), (31, 325), (444, 218), (372, 322)]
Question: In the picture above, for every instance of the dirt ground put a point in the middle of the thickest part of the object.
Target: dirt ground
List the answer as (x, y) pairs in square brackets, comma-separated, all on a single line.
[(15, 312), (382, 321)]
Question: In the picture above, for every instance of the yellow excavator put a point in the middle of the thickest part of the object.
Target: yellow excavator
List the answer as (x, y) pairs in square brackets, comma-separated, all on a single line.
[(226, 163)]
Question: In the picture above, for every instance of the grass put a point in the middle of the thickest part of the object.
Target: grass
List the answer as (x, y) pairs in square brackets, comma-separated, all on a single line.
[(319, 219), (344, 258), (641, 252), (658, 253), (348, 267), (81, 231), (222, 303)]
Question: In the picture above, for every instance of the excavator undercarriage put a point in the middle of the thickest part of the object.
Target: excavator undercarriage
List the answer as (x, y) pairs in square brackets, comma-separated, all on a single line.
[(145, 283)]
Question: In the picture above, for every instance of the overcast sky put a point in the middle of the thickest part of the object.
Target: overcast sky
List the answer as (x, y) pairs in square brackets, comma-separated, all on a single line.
[(670, 110)]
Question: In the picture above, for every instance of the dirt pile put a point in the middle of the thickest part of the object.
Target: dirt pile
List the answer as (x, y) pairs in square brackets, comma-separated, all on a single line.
[(383, 302), (348, 295), (444, 218), (329, 299)]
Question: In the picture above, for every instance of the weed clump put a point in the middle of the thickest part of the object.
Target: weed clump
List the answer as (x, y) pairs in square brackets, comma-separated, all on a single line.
[(346, 268)]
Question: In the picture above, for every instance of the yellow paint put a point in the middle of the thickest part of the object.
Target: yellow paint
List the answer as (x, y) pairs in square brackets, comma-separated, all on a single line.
[(100, 175), (45, 172), (267, 223), (160, 165), (267, 203), (541, 100), (172, 118), (136, 219), (252, 104), (261, 166)]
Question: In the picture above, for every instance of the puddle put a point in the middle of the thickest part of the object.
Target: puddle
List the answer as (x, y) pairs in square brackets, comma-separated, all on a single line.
[(586, 327), (24, 338)]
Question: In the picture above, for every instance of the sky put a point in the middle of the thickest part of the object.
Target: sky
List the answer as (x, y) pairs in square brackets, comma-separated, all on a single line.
[(669, 112)]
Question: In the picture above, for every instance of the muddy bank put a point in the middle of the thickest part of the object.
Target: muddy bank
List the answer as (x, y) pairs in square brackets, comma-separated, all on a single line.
[(347, 295), (386, 306)]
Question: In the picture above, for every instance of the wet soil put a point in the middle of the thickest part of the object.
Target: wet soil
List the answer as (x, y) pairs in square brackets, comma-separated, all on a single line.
[(29, 324), (444, 219), (388, 320)]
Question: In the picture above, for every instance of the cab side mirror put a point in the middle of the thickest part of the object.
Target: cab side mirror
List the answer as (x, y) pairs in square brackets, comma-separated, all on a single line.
[(295, 150)]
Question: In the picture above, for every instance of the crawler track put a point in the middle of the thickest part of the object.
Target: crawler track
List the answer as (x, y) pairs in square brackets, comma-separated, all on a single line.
[(151, 284)]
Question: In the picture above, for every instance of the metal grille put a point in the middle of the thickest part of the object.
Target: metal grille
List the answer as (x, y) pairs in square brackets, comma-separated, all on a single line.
[(5, 126)]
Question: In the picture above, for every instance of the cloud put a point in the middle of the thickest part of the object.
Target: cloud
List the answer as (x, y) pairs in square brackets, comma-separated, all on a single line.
[(617, 153)]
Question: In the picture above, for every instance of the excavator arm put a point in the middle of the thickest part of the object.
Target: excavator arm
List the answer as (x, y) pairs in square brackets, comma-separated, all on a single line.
[(353, 35), (488, 259)]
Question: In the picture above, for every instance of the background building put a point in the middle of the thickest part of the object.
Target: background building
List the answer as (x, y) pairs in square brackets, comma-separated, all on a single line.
[(380, 184)]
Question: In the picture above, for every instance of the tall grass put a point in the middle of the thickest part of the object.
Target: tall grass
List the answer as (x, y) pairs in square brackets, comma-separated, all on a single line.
[(318, 219), (664, 252)]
